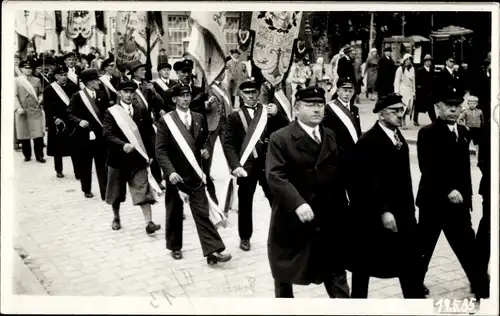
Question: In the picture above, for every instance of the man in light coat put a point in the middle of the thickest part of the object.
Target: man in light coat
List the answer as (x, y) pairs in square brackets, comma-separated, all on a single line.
[(29, 118)]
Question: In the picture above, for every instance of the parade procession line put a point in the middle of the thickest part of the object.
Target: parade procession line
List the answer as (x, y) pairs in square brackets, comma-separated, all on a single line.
[(73, 251)]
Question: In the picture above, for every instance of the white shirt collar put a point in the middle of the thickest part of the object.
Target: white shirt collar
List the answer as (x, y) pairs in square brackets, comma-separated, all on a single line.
[(182, 114), (235, 59), (452, 128), (165, 80), (125, 105), (427, 68), (138, 82), (309, 130), (390, 133), (347, 105), (91, 93), (450, 70)]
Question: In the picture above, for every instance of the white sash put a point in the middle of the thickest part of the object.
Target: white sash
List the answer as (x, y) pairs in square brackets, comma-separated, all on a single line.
[(162, 84), (72, 76), (28, 86), (217, 217), (130, 130), (87, 103), (18, 71), (285, 104), (259, 129), (345, 119), (142, 98), (108, 84), (60, 92), (223, 95)]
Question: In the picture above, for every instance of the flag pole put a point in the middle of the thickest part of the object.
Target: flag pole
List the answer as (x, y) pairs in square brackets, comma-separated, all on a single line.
[(149, 75)]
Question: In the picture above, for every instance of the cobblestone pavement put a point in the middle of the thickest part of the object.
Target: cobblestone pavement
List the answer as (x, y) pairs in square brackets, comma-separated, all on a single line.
[(67, 242)]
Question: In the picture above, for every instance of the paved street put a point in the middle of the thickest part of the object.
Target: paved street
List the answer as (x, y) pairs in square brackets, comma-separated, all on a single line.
[(67, 242)]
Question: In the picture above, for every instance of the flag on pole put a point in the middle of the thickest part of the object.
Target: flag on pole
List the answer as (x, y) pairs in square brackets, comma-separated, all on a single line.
[(207, 42), (21, 30)]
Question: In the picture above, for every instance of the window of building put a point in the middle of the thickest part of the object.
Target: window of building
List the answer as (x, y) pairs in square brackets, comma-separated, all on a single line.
[(231, 33), (178, 31)]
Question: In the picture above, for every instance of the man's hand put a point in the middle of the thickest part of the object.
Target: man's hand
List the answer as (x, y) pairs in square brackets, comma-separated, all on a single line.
[(128, 148), (162, 112), (21, 111), (84, 124), (174, 178), (204, 154), (389, 221), (305, 213), (455, 197), (58, 121), (240, 172), (272, 109)]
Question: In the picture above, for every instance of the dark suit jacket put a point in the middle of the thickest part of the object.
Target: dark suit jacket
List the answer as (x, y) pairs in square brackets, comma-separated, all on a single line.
[(77, 111), (381, 182), (299, 170), (342, 135), (445, 80), (170, 156), (444, 164), (115, 139), (112, 97), (198, 98), (385, 76), (155, 101), (426, 81), (168, 104), (234, 136), (345, 68)]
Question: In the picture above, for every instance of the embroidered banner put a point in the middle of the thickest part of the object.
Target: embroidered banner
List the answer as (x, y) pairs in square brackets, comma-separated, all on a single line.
[(275, 32)]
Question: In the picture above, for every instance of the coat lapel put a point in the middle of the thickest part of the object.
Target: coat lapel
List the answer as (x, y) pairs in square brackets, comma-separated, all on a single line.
[(196, 126), (328, 144), (350, 115), (92, 102), (304, 142), (184, 131)]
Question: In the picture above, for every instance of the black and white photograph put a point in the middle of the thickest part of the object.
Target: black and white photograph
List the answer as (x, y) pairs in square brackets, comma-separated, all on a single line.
[(162, 161)]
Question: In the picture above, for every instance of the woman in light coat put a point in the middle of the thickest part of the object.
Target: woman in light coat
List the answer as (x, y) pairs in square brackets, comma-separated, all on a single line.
[(371, 69), (404, 85)]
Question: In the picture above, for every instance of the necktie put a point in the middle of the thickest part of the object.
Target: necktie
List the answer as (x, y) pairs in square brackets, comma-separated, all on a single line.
[(250, 110), (186, 121), (399, 143), (315, 136), (129, 109)]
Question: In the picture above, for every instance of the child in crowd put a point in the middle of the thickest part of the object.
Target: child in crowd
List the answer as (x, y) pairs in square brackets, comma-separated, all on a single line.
[(473, 119)]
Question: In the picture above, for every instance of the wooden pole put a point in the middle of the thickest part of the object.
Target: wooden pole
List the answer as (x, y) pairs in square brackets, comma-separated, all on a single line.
[(370, 44)]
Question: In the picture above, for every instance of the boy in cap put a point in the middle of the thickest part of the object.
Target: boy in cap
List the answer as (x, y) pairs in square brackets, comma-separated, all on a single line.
[(29, 118), (86, 110), (163, 86), (445, 189), (382, 206), (129, 155), (302, 169), (242, 135), (56, 98), (181, 174)]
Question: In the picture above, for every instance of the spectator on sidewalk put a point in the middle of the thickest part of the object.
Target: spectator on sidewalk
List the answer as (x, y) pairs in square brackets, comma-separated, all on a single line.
[(472, 118), (371, 71), (386, 72), (425, 79), (404, 85)]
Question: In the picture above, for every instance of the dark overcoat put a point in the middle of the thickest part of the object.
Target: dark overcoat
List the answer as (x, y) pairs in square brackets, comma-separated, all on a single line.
[(381, 182), (58, 139), (385, 79), (298, 170), (168, 103), (426, 82)]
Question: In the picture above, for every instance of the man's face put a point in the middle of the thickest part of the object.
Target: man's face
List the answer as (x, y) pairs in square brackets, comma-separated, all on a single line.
[(345, 93), (110, 69), (387, 54), (16, 61), (27, 70), (70, 62), (127, 95), (392, 117), (165, 73), (450, 64), (250, 96), (94, 84), (84, 63), (448, 112), (236, 55), (185, 75), (140, 73), (38, 70), (310, 113), (351, 54), (62, 78), (183, 101), (428, 63), (162, 52)]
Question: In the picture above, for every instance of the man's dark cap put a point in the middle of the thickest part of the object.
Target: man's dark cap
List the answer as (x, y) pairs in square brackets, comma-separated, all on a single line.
[(450, 95), (127, 85), (234, 51), (164, 65), (345, 82), (386, 101), (25, 64), (89, 75), (249, 84), (106, 63), (180, 89), (179, 65), (60, 70), (311, 94), (134, 65), (70, 55), (388, 49), (188, 66)]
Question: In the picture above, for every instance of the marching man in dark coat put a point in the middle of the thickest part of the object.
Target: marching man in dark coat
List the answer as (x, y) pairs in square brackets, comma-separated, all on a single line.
[(127, 131), (86, 110), (182, 135), (56, 98), (383, 223), (426, 81), (308, 195), (243, 135), (445, 192), (110, 80), (163, 86), (386, 73)]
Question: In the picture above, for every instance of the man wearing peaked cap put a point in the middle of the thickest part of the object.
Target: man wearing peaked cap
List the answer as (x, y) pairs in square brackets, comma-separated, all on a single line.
[(305, 241), (73, 70), (110, 80), (125, 164), (386, 73), (85, 111), (163, 86), (345, 66), (449, 77), (445, 189), (425, 89), (382, 207), (59, 142), (238, 131), (237, 73)]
